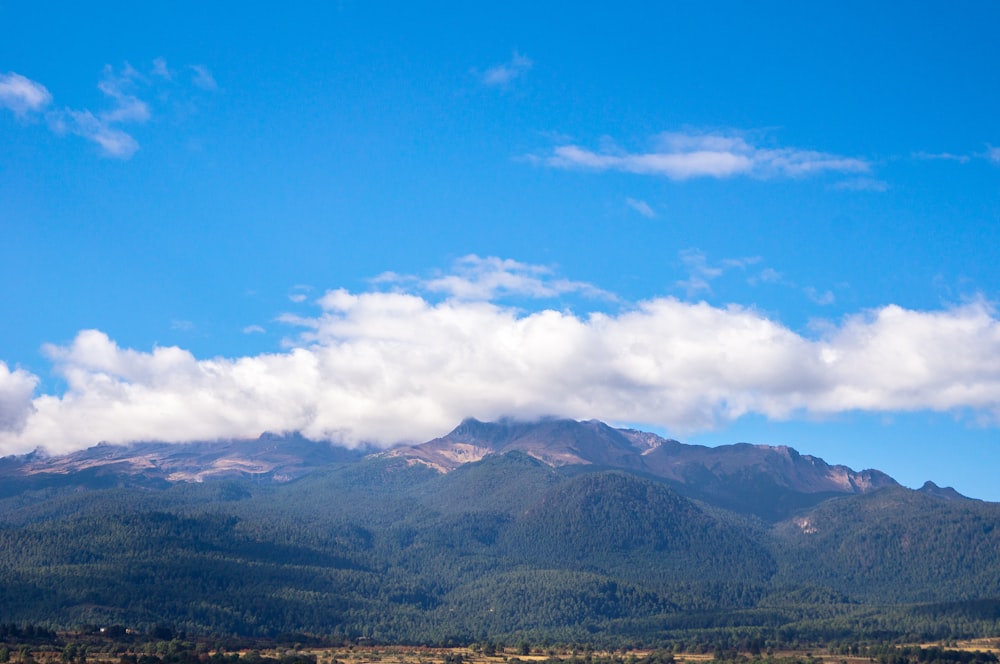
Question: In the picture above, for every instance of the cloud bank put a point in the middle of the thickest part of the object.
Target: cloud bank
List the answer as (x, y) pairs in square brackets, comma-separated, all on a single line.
[(687, 155), (383, 367)]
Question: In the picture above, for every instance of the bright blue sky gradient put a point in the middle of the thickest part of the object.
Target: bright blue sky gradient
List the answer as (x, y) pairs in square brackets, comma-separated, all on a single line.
[(198, 177)]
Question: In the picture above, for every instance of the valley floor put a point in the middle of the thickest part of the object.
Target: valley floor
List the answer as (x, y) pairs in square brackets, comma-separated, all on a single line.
[(967, 651)]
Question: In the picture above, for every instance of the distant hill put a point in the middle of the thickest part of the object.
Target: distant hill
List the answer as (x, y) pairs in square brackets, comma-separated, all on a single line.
[(544, 531)]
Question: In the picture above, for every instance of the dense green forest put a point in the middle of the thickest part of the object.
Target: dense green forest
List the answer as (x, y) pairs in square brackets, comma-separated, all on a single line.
[(507, 549)]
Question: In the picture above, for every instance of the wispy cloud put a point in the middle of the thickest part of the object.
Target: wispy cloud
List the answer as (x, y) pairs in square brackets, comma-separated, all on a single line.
[(22, 95), (254, 329), (991, 154), (300, 292), (687, 155), (768, 276), (941, 156), (123, 88), (476, 278), (640, 206), (385, 367), (161, 69), (203, 78), (861, 184), (503, 74), (120, 88), (113, 142), (822, 298), (701, 272)]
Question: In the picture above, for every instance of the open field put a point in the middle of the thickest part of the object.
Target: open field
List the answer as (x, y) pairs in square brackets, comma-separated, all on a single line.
[(362, 654)]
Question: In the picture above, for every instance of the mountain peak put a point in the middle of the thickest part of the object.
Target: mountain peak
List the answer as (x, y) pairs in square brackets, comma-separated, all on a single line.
[(770, 481), (945, 493), (554, 441)]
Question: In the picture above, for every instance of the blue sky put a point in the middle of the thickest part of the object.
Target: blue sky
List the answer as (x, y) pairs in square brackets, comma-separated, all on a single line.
[(774, 223)]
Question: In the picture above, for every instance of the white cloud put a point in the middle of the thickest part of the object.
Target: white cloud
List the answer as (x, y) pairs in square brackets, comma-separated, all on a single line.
[(300, 293), (640, 206), (123, 89), (22, 95), (862, 184), (476, 278), (119, 87), (203, 78), (16, 390), (104, 128), (769, 276), (112, 141), (161, 69), (941, 156), (824, 298), (390, 366), (254, 329), (991, 154), (502, 75), (682, 156), (701, 273)]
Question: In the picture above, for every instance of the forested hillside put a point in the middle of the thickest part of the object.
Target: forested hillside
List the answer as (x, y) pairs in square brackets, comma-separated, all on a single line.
[(507, 547)]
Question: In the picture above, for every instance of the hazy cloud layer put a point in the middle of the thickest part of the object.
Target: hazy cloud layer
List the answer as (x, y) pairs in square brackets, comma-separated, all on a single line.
[(391, 366), (686, 155)]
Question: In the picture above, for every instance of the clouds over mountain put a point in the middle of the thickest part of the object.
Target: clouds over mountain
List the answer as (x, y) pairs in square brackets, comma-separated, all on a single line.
[(16, 390), (383, 366)]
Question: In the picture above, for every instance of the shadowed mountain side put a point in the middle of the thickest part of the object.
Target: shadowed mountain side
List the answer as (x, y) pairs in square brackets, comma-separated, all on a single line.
[(638, 528), (893, 545), (771, 482)]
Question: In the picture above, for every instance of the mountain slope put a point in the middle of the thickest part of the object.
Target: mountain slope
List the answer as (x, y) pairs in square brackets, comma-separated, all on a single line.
[(558, 530), (894, 545), (771, 482)]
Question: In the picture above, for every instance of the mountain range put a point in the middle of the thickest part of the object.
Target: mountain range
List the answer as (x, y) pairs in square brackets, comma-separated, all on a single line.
[(546, 530)]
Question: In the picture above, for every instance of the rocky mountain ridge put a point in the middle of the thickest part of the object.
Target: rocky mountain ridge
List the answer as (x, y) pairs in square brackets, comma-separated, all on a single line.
[(769, 481)]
